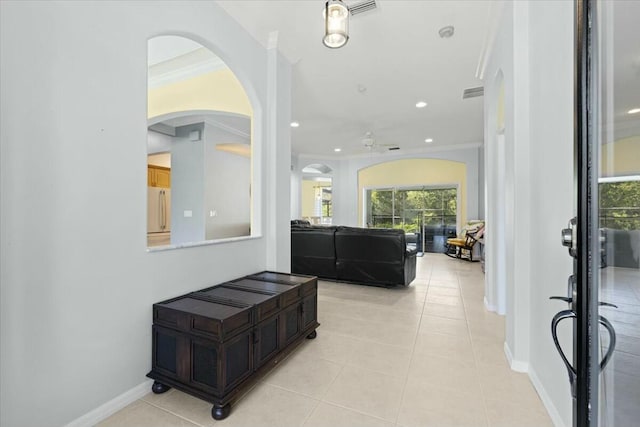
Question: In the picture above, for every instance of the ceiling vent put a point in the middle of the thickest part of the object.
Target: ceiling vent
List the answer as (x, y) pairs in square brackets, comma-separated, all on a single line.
[(363, 6), (473, 92)]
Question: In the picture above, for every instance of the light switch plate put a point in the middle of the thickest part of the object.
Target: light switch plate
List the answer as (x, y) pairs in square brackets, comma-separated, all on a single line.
[(188, 214)]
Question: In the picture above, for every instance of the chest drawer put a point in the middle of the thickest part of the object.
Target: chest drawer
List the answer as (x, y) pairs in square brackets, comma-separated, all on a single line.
[(307, 284), (266, 303), (218, 320), (288, 293)]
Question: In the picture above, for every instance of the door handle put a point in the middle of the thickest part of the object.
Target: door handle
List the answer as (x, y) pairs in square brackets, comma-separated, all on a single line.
[(612, 339), (164, 210), (607, 304), (570, 314), (569, 237), (568, 300), (559, 317)]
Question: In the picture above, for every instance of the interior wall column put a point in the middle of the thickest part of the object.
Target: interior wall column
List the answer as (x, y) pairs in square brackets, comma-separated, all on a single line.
[(278, 159)]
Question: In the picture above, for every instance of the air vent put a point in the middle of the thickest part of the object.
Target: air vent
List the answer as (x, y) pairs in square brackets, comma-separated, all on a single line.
[(473, 92), (363, 6)]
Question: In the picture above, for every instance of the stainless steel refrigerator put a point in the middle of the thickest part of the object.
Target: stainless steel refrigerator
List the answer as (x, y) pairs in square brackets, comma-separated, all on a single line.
[(158, 210)]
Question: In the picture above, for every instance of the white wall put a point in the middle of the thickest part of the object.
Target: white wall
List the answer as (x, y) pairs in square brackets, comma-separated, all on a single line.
[(227, 188), (158, 142), (533, 49), (77, 281), (551, 140), (296, 189), (278, 152), (481, 183), (345, 178), (500, 139), (188, 173)]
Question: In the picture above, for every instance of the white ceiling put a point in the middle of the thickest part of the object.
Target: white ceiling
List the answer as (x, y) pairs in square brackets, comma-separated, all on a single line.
[(393, 59), (394, 52)]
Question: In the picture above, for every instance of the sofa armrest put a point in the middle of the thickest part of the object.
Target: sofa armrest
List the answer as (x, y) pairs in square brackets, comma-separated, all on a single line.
[(411, 252), (410, 260)]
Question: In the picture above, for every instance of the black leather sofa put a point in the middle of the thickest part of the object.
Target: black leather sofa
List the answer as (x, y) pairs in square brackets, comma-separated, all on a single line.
[(619, 247), (358, 255)]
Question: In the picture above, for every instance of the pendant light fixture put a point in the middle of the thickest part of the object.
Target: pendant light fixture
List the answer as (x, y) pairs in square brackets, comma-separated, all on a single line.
[(336, 24)]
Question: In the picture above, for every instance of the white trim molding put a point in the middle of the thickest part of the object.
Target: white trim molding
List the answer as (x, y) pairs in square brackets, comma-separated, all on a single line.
[(424, 151), (490, 307), (516, 365), (185, 67), (102, 412), (496, 9), (546, 400)]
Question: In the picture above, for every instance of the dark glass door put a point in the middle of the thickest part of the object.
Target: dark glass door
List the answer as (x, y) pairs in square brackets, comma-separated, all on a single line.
[(604, 238), (616, 183)]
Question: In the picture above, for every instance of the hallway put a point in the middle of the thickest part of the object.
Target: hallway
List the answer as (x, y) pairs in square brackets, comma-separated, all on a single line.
[(426, 355)]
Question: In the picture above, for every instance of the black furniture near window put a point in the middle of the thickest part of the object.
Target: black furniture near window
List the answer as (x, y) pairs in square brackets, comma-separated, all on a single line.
[(216, 342), (372, 256)]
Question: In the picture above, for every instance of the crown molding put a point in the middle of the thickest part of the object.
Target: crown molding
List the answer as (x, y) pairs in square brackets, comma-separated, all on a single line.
[(162, 78), (392, 154), (227, 128)]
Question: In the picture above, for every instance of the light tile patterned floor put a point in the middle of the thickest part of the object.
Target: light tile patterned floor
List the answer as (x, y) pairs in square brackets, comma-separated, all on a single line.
[(426, 355)]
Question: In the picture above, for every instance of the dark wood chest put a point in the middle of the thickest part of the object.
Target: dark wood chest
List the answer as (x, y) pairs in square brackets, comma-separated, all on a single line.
[(215, 342)]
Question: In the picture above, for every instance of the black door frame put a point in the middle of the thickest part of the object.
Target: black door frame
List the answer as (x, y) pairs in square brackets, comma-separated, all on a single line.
[(586, 265)]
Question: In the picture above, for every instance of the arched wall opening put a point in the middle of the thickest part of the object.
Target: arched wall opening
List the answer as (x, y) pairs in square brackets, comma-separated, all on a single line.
[(201, 115), (316, 194)]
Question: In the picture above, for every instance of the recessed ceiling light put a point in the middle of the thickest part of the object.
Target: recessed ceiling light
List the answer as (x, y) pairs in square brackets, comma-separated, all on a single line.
[(634, 111), (295, 124), (421, 104), (337, 150), (428, 140)]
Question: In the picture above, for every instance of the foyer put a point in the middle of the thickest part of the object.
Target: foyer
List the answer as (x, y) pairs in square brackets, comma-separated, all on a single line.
[(426, 355)]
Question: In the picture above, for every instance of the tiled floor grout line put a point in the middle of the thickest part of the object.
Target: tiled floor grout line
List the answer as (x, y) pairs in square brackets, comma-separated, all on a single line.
[(173, 413), (413, 349), (332, 382), (405, 376), (316, 400), (337, 405), (475, 361), (366, 340)]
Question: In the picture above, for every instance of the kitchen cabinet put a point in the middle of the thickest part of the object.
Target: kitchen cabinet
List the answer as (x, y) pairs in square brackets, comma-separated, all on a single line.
[(158, 176)]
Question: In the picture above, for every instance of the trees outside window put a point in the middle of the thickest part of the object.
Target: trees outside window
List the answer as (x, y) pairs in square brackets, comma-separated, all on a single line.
[(620, 205), (410, 208)]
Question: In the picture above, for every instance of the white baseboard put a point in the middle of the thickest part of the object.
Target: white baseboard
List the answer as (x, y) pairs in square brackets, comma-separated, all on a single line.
[(546, 400), (102, 412), (489, 307), (516, 365)]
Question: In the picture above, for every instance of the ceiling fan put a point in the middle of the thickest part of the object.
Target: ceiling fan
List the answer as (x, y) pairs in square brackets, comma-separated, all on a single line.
[(370, 143)]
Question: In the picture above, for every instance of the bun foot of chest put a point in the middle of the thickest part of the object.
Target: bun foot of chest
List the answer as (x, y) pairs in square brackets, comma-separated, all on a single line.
[(220, 412), (159, 388)]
